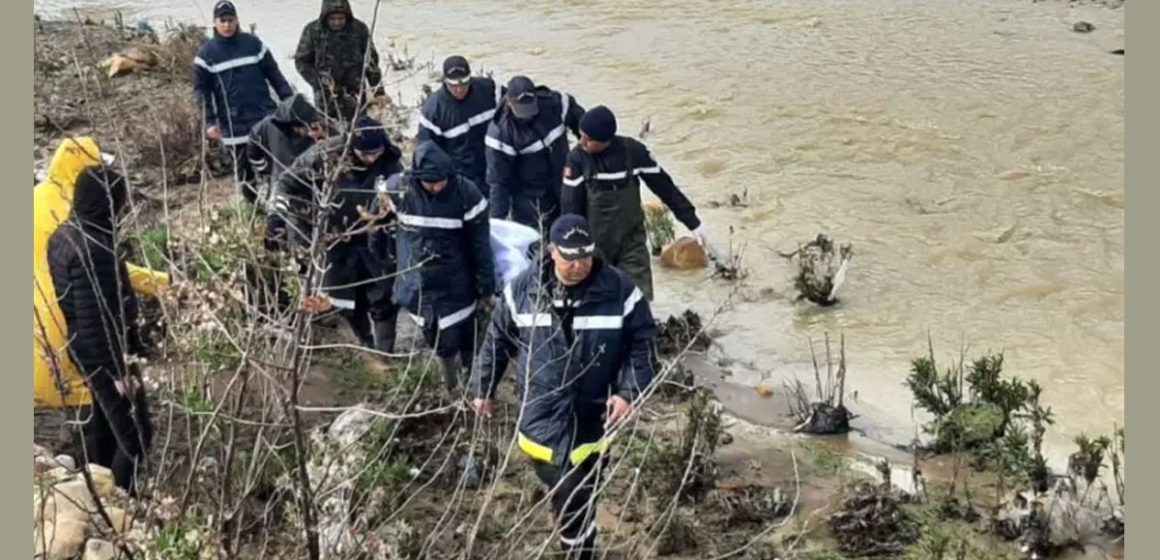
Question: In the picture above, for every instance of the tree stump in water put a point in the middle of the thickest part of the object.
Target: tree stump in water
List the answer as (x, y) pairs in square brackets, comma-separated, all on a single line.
[(825, 419), (822, 270)]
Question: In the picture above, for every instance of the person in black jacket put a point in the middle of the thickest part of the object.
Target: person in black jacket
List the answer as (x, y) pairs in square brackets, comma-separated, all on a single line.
[(233, 74), (358, 280), (602, 181), (277, 140), (456, 116), (582, 337), (527, 145), (100, 313), (447, 270)]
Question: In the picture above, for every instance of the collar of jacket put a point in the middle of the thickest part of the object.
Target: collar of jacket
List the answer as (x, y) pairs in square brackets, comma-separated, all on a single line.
[(594, 287)]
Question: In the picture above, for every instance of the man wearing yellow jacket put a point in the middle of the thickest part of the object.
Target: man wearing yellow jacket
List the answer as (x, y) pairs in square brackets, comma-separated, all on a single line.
[(56, 382)]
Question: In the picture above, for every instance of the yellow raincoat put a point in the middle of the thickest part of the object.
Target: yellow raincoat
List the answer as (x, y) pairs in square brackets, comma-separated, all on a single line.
[(52, 201)]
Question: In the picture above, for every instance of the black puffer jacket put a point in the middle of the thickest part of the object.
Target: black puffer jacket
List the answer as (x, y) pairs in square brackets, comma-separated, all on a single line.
[(92, 284), (273, 143)]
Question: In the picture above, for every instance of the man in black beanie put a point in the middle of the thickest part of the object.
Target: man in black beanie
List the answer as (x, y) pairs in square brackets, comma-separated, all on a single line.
[(602, 181), (456, 116)]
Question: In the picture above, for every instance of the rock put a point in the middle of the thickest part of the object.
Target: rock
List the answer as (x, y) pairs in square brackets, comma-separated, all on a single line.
[(102, 480), (685, 254), (121, 520), (1083, 27), (350, 427), (66, 462), (70, 499), (763, 390), (97, 549), (61, 540)]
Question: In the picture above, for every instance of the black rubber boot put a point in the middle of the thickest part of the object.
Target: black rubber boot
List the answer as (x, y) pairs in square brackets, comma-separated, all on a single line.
[(385, 336), (360, 323), (451, 368)]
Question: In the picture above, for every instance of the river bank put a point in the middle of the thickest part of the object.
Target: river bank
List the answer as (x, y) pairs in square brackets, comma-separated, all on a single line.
[(133, 112)]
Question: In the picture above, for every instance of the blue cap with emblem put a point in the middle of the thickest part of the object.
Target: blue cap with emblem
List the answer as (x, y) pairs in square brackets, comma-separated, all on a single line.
[(572, 238)]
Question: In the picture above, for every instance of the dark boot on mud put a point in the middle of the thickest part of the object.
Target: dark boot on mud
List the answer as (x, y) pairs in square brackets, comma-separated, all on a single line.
[(451, 368), (385, 336), (472, 472), (360, 323)]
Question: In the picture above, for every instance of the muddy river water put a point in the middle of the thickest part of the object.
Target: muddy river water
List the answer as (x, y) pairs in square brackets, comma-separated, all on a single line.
[(972, 152)]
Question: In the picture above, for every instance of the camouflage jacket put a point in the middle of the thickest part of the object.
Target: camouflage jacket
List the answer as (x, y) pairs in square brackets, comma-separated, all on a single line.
[(323, 52)]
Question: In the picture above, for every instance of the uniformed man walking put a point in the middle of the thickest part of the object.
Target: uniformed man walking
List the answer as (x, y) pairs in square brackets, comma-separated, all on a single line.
[(582, 335), (602, 181), (456, 116), (527, 145)]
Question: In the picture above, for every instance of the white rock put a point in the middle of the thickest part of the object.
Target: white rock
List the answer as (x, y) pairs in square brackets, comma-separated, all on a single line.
[(66, 462), (351, 426)]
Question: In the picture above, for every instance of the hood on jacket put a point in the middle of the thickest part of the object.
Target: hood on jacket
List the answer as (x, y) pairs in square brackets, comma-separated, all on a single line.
[(99, 195), (295, 110), (72, 156), (431, 162), (331, 6)]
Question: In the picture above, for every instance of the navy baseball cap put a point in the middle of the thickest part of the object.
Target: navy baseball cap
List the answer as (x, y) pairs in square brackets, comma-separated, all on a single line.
[(521, 93), (224, 8), (456, 70), (571, 236)]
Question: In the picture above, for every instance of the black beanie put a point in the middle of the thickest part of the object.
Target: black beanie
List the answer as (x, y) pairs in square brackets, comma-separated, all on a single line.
[(599, 124), (369, 135)]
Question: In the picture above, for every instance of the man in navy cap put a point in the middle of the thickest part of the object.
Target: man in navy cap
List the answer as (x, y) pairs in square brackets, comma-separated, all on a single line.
[(456, 116), (325, 189), (233, 75), (527, 145), (582, 335), (602, 181)]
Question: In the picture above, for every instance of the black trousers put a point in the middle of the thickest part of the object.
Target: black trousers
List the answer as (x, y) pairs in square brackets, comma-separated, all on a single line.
[(118, 432), (574, 503), (361, 287), (458, 338), (243, 172)]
